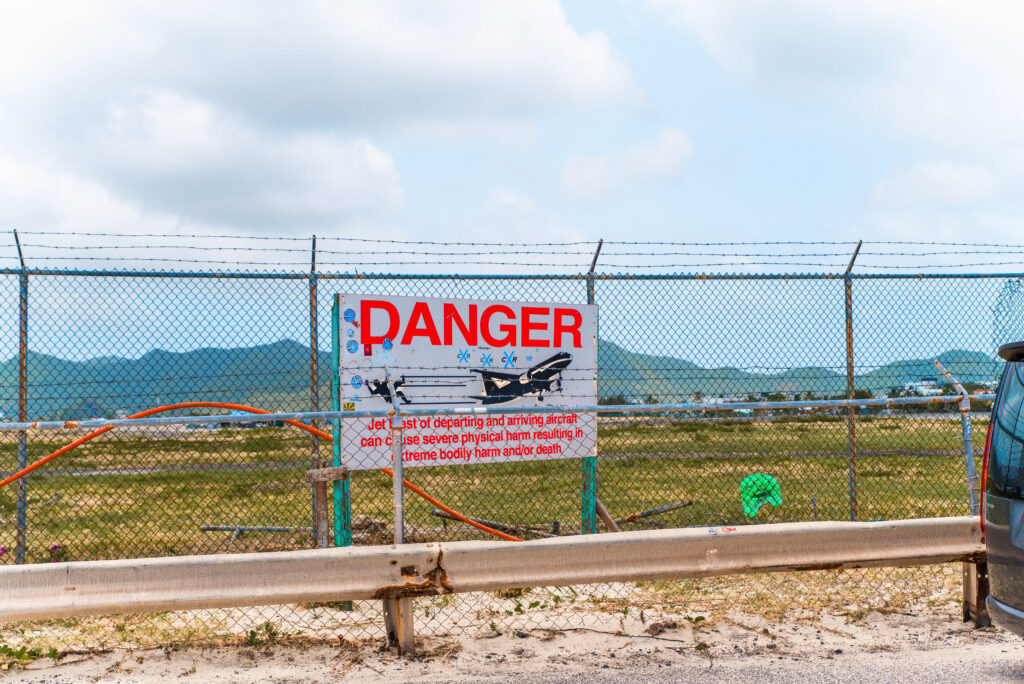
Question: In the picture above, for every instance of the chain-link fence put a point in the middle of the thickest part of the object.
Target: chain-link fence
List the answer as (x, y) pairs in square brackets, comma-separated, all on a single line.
[(112, 344), (658, 467)]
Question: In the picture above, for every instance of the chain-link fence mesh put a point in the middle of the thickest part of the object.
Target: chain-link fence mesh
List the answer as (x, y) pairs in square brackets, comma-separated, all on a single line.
[(113, 345)]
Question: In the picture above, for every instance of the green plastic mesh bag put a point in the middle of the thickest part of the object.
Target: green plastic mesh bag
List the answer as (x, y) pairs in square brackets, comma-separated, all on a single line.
[(758, 489)]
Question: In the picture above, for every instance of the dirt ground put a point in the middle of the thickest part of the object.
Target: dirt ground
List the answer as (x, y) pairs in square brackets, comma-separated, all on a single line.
[(722, 641)]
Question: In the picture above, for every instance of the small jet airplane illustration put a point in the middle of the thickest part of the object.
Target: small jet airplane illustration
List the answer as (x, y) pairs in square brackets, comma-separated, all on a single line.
[(383, 389), (417, 384), (546, 376)]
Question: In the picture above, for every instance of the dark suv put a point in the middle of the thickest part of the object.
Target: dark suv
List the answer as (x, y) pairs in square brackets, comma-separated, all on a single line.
[(1002, 483)]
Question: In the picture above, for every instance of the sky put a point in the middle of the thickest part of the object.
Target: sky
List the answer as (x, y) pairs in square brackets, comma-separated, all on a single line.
[(659, 120), (244, 128)]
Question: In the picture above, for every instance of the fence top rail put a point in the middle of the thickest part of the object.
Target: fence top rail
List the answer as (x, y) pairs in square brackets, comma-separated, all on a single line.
[(281, 275), (688, 407)]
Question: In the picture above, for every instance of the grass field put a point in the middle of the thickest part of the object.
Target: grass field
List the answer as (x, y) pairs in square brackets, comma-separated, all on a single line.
[(907, 468)]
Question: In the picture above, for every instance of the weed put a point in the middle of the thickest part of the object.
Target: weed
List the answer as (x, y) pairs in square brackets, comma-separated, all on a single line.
[(263, 635), (17, 658)]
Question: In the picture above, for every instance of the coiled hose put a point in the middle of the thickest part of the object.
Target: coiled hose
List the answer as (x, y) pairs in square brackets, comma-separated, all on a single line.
[(248, 409)]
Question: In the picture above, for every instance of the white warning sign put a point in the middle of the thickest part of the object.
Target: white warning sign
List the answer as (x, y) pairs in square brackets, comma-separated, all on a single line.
[(444, 353)]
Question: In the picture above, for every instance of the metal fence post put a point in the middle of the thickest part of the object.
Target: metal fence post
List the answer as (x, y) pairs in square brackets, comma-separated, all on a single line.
[(975, 574), (321, 530), (398, 618), (588, 505), (851, 416), (21, 516), (397, 490), (972, 477), (964, 406), (342, 493)]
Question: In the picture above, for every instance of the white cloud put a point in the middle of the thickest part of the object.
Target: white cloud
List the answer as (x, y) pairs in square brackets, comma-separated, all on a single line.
[(940, 80), (316, 64), (664, 156), (942, 74), (161, 147), (35, 197), (915, 225), (937, 183), (512, 216), (273, 115)]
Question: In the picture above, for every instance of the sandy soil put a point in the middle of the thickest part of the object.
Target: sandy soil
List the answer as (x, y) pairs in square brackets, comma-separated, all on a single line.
[(722, 641)]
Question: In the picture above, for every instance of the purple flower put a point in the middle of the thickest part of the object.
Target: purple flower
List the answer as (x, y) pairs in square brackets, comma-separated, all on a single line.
[(3, 550), (56, 547)]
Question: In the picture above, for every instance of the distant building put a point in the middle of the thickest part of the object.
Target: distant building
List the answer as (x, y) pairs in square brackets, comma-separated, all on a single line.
[(83, 410), (925, 387)]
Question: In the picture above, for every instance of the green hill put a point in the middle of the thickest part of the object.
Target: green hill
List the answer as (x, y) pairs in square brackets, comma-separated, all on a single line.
[(276, 377), (636, 376)]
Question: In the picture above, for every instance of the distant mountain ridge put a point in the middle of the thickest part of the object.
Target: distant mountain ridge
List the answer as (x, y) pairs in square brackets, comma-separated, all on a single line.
[(634, 375), (276, 377)]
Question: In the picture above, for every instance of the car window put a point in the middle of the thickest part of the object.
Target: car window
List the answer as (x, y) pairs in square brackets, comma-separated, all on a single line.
[(1006, 460)]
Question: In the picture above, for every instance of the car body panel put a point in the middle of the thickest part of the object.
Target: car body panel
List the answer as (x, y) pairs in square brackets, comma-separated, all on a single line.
[(1003, 503)]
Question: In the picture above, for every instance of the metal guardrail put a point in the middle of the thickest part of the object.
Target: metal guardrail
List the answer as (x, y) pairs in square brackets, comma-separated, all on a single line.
[(410, 570)]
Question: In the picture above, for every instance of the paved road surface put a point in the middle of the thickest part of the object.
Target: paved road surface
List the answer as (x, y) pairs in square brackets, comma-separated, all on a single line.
[(983, 663)]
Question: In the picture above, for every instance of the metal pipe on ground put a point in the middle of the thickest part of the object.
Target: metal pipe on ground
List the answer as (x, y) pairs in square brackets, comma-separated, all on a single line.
[(633, 517), (504, 527), (606, 518)]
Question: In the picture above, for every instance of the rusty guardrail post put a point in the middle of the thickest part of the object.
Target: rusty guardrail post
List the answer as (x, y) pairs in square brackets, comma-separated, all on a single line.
[(398, 618), (21, 516), (975, 574), (975, 581), (851, 418)]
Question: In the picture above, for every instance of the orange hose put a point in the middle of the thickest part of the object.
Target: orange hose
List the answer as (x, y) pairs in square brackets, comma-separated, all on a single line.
[(248, 409)]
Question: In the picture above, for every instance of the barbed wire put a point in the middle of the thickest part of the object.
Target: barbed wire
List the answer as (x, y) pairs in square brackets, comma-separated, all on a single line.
[(166, 235), (309, 239), (942, 244), (371, 252), (955, 252), (607, 243), (203, 248), (356, 254), (954, 265)]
